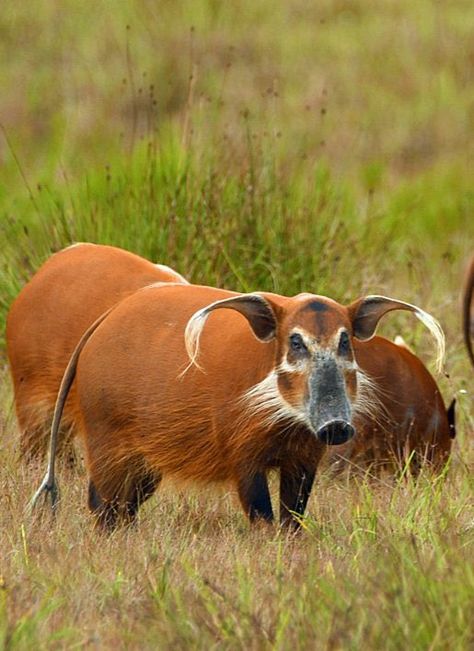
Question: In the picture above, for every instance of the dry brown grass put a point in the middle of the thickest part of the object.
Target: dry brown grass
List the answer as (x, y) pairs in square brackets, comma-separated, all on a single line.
[(381, 565)]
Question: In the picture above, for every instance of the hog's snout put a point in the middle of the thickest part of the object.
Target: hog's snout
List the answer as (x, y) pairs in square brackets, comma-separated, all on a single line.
[(335, 432)]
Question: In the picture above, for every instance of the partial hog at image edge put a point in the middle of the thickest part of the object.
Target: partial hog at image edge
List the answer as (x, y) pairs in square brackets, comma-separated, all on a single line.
[(468, 309)]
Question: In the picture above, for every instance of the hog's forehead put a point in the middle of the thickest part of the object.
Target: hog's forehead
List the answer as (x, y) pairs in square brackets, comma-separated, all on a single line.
[(318, 315)]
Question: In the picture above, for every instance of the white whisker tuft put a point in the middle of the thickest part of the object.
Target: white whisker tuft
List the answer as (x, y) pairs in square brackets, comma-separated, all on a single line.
[(297, 367), (265, 398), (369, 402)]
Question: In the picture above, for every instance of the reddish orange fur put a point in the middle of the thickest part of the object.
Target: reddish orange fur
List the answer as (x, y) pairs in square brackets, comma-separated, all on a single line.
[(47, 319), (168, 422)]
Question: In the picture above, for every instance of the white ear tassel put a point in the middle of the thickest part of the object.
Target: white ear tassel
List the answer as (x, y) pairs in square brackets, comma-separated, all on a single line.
[(429, 322), (192, 335), (436, 330), (195, 325)]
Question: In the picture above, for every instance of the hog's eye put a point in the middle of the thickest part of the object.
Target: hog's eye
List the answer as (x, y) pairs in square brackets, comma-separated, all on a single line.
[(344, 344), (297, 344)]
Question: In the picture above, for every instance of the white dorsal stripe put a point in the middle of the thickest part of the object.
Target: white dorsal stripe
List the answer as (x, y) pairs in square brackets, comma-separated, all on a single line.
[(400, 341), (76, 244), (178, 276)]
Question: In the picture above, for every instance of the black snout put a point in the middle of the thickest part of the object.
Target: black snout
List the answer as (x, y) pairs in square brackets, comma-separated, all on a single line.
[(335, 432)]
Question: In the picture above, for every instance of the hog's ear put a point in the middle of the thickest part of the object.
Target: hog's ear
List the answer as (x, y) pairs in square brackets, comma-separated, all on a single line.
[(258, 311), (365, 313)]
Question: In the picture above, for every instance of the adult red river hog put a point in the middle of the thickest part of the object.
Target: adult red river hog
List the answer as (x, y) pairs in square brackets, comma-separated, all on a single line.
[(209, 385), (49, 316)]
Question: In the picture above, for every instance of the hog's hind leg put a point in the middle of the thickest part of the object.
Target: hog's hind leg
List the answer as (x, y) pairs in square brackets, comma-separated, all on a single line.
[(118, 503)]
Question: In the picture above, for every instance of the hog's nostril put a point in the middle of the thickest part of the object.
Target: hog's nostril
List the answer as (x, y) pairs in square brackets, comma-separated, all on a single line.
[(335, 432)]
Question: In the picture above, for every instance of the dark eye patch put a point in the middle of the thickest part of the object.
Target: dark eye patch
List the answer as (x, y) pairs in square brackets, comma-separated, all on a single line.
[(297, 344), (344, 347)]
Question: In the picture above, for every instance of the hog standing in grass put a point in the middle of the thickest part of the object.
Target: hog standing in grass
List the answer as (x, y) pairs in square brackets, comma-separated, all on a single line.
[(49, 316), (213, 386)]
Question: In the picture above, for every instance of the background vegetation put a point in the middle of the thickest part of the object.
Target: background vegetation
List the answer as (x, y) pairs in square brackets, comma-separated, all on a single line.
[(288, 146)]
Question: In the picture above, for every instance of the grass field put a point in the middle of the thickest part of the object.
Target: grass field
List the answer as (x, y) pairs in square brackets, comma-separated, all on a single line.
[(283, 146)]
